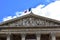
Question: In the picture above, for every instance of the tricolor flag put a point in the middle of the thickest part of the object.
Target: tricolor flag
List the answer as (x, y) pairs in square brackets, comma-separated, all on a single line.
[(28, 10), (25, 11)]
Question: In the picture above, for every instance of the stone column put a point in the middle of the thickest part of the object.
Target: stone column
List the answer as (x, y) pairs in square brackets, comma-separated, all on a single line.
[(38, 36), (8, 37), (22, 36), (53, 37)]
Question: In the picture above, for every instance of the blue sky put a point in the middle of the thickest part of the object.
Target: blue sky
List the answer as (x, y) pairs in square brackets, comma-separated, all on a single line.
[(10, 7)]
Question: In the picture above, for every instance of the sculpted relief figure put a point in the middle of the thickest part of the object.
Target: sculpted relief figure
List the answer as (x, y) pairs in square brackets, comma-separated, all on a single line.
[(30, 22)]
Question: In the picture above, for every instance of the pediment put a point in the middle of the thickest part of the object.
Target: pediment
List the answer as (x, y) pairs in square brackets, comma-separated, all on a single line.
[(29, 21)]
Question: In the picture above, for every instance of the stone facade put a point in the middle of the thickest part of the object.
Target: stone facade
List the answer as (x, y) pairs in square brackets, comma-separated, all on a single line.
[(30, 27), (31, 22)]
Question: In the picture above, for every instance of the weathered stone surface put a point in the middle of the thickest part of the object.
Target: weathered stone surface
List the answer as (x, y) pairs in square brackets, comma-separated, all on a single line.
[(31, 22)]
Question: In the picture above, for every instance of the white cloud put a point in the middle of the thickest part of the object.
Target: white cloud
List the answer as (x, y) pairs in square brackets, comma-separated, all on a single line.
[(18, 14), (38, 10), (52, 11), (8, 18)]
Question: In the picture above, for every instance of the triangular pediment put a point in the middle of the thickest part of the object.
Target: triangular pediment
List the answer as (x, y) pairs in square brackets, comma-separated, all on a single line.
[(30, 20)]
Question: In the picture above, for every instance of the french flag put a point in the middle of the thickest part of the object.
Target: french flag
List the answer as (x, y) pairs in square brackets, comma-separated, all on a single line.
[(28, 10)]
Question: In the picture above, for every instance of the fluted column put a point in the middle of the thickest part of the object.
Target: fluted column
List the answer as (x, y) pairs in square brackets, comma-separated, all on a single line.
[(53, 37), (22, 36), (38, 36), (8, 37)]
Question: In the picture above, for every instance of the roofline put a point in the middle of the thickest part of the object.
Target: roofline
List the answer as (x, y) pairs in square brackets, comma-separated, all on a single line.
[(28, 15)]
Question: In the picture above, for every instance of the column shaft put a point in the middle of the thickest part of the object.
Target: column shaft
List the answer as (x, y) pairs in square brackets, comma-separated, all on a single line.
[(38, 36), (22, 37), (8, 37), (53, 37)]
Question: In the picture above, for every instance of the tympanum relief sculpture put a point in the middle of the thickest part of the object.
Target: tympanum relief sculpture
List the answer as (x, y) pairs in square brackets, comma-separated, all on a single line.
[(31, 22)]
